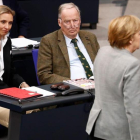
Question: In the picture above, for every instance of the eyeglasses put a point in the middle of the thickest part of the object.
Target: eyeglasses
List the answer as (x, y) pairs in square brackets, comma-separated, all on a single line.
[(71, 23)]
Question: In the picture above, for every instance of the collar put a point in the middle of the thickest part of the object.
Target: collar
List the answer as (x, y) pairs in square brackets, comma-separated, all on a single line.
[(68, 40), (4, 39), (123, 50)]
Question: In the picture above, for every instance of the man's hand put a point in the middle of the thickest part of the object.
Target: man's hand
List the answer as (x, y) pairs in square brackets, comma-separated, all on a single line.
[(21, 36)]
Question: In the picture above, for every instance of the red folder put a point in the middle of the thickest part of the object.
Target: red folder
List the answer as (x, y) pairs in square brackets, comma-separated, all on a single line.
[(18, 93)]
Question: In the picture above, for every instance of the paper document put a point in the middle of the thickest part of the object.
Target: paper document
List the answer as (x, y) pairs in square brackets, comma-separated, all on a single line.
[(39, 90), (86, 84), (23, 42)]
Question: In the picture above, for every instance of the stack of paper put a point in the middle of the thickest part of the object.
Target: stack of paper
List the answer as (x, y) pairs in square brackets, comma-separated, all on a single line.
[(23, 43), (82, 83)]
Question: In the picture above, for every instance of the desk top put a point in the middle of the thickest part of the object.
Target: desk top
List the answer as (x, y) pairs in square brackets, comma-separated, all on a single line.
[(43, 102), (22, 52), (25, 51)]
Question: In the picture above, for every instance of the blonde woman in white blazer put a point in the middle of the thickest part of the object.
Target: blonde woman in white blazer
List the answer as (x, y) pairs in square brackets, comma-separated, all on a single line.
[(115, 114)]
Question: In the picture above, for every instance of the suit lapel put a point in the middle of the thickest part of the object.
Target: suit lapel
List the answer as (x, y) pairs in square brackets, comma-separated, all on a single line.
[(63, 47), (6, 56), (86, 41)]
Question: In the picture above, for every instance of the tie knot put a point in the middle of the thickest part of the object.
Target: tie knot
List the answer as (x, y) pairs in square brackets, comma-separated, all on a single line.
[(74, 40)]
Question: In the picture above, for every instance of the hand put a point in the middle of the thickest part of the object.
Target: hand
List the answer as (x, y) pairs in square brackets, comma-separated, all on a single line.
[(24, 85), (21, 36)]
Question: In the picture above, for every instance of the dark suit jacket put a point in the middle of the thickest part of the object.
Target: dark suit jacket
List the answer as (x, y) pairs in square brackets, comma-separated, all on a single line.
[(21, 20), (10, 77), (53, 59)]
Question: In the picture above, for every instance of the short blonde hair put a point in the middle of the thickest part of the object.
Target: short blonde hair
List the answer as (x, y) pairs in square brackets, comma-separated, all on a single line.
[(67, 6), (122, 29), (5, 9)]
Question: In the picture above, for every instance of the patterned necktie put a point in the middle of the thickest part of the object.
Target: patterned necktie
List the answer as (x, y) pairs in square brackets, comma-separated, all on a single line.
[(83, 60)]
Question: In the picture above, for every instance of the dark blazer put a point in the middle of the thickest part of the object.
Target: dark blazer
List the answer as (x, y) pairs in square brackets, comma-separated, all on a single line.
[(10, 77), (21, 20), (53, 59)]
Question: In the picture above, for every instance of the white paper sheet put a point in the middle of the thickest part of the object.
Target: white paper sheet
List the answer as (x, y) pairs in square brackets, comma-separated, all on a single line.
[(39, 90), (23, 42)]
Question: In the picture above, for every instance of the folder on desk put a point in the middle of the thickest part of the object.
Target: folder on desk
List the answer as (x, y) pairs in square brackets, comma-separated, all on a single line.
[(17, 93)]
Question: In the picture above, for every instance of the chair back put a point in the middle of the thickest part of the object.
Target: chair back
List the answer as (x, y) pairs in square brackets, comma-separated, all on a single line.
[(35, 58)]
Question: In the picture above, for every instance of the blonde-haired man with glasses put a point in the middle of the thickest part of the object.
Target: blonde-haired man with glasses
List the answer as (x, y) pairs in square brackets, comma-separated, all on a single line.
[(67, 53)]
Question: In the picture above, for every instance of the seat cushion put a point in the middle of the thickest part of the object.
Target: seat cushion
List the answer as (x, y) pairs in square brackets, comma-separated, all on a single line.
[(4, 116)]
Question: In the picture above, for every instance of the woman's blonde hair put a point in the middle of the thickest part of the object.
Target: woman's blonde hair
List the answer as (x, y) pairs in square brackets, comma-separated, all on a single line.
[(122, 29), (5, 9)]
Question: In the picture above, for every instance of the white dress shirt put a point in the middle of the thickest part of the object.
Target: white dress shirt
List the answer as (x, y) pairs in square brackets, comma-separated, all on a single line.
[(2, 44), (76, 69), (1, 2)]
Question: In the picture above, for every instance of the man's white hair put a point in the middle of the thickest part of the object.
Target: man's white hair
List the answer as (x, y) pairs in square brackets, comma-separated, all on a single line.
[(67, 6)]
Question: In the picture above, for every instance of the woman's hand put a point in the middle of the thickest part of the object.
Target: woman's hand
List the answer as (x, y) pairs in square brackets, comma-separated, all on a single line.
[(24, 85)]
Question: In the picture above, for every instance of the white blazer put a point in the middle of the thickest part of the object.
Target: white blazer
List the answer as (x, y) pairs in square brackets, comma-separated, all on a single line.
[(116, 108)]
